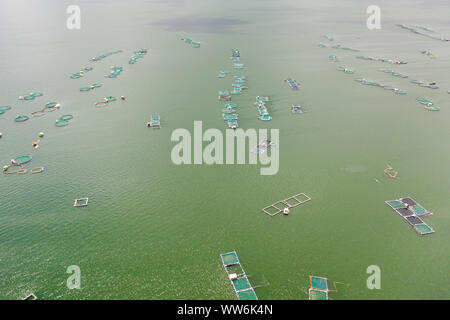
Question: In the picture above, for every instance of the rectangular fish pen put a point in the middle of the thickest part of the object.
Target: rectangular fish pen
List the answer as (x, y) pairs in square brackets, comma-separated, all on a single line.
[(236, 274), (411, 211), (318, 288), (291, 202)]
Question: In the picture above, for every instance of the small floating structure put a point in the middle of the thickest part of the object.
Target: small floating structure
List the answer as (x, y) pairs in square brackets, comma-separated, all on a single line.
[(232, 116), (291, 202), (31, 296), (105, 55), (318, 288), (330, 38), (138, 54), (428, 53), (105, 101), (297, 109), (390, 172), (263, 146), (382, 60), (21, 160), (61, 123), (3, 109), (191, 42), (81, 202), (115, 71), (411, 211), (413, 30), (392, 72), (222, 74), (66, 117), (224, 95), (380, 85), (429, 104), (155, 122), (232, 124), (237, 276), (37, 170), (333, 58), (31, 96), (292, 83), (345, 70), (19, 118), (423, 84), (338, 46)]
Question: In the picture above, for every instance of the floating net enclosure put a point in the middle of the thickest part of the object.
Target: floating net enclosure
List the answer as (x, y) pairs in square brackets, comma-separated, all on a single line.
[(5, 108), (290, 202), (51, 104), (66, 117), (37, 170), (318, 288), (81, 202), (61, 123), (21, 118), (22, 160), (314, 294)]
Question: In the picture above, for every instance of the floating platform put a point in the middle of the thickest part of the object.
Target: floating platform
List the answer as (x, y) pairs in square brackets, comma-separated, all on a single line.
[(318, 288), (81, 202), (291, 202), (236, 274), (411, 211)]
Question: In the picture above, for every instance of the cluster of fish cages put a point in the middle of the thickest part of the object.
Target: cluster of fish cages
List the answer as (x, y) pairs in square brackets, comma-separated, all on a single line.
[(429, 104), (155, 122), (260, 103), (230, 115), (394, 73), (237, 276), (414, 30), (105, 55), (382, 60), (380, 85), (411, 212), (424, 84), (138, 54), (80, 73)]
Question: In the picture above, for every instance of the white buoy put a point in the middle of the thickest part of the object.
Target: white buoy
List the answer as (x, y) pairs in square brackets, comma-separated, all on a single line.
[(1, 134), (122, 97), (41, 134), (21, 98), (286, 211)]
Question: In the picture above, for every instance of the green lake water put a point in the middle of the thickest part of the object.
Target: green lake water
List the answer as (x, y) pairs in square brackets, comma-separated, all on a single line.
[(154, 230)]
